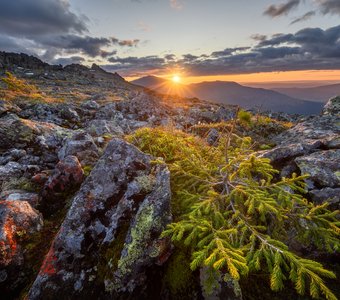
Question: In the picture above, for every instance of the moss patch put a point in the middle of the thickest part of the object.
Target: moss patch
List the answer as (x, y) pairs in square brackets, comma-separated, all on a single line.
[(178, 277)]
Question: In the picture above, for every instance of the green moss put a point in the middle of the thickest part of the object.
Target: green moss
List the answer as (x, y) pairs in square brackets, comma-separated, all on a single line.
[(178, 277), (265, 147), (87, 170), (110, 255), (20, 184)]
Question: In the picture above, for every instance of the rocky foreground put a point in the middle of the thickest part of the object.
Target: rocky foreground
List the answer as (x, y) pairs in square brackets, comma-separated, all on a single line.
[(82, 210)]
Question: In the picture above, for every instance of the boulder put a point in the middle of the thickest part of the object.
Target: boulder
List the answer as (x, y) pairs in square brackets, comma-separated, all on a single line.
[(21, 195), (10, 171), (109, 242), (101, 127), (322, 166), (332, 107), (65, 178), (17, 220), (213, 137), (90, 105), (81, 145), (21, 133), (332, 196)]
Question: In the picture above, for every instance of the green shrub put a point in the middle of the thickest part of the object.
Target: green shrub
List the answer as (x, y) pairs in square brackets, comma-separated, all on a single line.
[(236, 218), (244, 117)]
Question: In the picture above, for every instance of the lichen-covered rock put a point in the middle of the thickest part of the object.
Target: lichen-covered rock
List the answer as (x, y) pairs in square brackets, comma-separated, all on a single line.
[(20, 195), (10, 170), (109, 240), (67, 175), (90, 105), (101, 127), (20, 133), (213, 136), (332, 196), (332, 107), (322, 166), (81, 145), (312, 147), (17, 219)]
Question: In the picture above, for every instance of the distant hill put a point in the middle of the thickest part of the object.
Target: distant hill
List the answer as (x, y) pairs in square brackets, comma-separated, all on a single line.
[(317, 94), (233, 93)]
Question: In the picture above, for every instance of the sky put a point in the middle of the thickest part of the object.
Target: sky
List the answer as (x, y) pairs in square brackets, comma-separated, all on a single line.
[(244, 40)]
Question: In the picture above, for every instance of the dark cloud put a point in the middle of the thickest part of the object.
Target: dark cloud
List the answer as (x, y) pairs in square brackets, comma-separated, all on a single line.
[(51, 28), (190, 57), (170, 57), (310, 48), (23, 17), (228, 51), (305, 17), (281, 9), (258, 37), (135, 66), (11, 44), (322, 6), (71, 43), (329, 6), (128, 43)]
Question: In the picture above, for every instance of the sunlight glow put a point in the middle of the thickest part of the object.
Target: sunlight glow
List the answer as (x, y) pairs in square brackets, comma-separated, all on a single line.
[(176, 79)]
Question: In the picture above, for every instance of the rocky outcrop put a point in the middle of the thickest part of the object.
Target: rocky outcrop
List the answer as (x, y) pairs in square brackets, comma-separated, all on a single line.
[(313, 147), (10, 60), (109, 242), (16, 132)]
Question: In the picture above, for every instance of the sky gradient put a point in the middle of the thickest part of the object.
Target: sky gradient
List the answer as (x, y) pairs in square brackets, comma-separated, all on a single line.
[(262, 40)]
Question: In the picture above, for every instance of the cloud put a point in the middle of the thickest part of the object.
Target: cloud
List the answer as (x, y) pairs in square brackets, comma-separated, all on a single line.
[(329, 6), (135, 66), (281, 9), (309, 48), (51, 28), (176, 4), (258, 37), (228, 51), (322, 6), (128, 43), (305, 17), (22, 17), (143, 26)]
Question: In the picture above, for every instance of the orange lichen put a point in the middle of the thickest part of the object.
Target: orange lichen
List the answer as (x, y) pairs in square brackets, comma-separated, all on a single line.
[(48, 266)]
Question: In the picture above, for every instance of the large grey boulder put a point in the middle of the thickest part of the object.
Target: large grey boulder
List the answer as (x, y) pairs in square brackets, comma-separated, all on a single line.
[(322, 166), (19, 133), (109, 241)]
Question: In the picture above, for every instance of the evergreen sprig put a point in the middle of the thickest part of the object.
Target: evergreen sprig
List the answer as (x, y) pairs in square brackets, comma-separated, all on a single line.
[(237, 216)]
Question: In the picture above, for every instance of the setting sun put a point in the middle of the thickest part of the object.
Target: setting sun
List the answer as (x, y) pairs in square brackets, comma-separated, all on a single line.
[(176, 78)]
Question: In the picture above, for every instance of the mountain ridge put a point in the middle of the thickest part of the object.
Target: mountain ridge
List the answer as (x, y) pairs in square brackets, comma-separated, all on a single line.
[(229, 92)]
